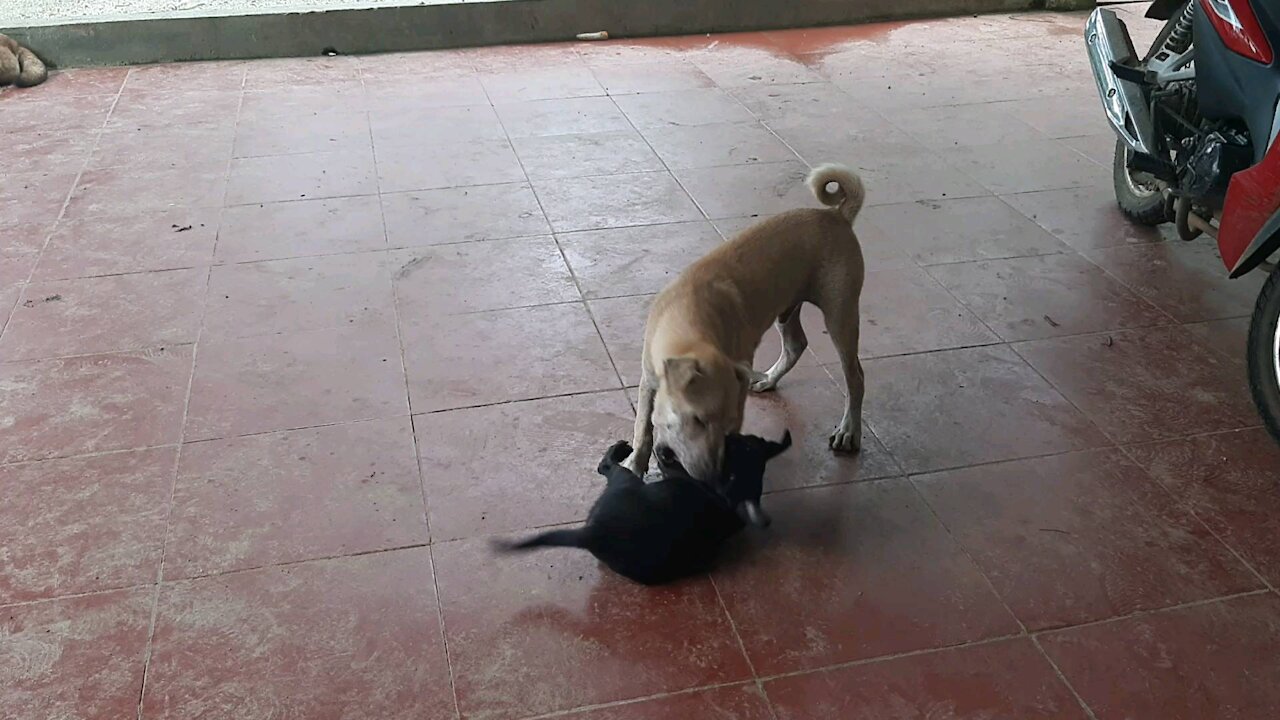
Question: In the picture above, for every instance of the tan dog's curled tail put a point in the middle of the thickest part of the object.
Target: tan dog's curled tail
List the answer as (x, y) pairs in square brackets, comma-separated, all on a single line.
[(849, 192)]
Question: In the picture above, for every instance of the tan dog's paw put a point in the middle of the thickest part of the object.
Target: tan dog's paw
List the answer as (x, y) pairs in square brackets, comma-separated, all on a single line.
[(846, 440), (761, 382)]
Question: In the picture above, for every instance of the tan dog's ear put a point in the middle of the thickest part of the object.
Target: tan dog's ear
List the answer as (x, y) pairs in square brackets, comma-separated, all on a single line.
[(680, 372)]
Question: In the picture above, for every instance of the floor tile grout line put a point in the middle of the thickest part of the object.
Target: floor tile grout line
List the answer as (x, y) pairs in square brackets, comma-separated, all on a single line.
[(1189, 510), (413, 430), (1230, 597), (431, 557), (259, 433), (586, 306), (890, 657), (469, 538), (1062, 678), (292, 563), (1058, 453), (444, 634), (90, 454), (1114, 442), (159, 581), (884, 115), (901, 474), (1130, 286), (131, 587), (66, 201), (733, 626), (319, 329), (995, 592), (665, 167), (636, 700), (1031, 635), (396, 317), (742, 646), (217, 438), (835, 666), (904, 472), (986, 579), (182, 435), (1244, 425), (396, 248), (240, 338), (129, 273), (778, 676), (1068, 251), (564, 258), (766, 678)]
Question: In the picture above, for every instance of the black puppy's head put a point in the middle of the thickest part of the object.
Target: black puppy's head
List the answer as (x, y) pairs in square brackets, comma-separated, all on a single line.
[(745, 460)]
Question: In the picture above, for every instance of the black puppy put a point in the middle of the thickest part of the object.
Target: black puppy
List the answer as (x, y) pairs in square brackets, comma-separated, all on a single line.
[(658, 532)]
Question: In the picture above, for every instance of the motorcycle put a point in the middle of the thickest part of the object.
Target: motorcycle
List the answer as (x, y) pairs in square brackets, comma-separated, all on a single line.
[(1196, 119)]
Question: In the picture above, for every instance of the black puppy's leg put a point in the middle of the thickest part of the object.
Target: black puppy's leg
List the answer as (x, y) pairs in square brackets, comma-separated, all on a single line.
[(616, 453), (621, 476), (611, 467), (774, 449)]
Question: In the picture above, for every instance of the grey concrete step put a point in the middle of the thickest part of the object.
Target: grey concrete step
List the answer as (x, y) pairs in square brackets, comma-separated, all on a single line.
[(115, 32)]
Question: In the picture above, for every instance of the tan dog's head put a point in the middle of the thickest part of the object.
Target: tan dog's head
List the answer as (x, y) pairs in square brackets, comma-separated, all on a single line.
[(699, 401)]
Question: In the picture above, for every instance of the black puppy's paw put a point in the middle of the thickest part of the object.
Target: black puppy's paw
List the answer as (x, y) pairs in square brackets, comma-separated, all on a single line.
[(616, 453)]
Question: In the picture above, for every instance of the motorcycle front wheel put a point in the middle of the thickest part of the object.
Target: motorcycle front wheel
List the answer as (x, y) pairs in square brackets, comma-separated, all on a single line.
[(1264, 354), (1140, 196)]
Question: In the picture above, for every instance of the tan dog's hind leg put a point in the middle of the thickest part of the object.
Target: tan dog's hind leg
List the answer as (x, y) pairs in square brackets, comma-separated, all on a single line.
[(842, 324), (33, 71), (794, 343), (9, 67), (18, 65), (642, 437)]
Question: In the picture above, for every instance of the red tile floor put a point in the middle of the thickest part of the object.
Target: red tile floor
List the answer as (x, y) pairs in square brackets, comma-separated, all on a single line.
[(286, 342)]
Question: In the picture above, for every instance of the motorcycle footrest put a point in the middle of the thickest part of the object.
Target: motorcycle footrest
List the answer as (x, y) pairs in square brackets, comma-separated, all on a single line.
[(1128, 74)]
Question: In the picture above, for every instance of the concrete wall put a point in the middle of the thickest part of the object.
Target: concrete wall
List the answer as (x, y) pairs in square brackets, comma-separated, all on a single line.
[(391, 29)]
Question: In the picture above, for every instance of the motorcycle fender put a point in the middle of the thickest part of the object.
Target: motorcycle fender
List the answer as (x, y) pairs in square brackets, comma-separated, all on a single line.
[(1266, 242), (1164, 9), (1249, 226)]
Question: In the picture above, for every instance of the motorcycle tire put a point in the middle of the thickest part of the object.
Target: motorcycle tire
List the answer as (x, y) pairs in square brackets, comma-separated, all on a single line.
[(1264, 354), (1139, 205), (1143, 208)]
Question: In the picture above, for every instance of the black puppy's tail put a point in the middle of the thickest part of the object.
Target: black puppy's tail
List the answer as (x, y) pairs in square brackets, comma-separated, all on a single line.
[(552, 538)]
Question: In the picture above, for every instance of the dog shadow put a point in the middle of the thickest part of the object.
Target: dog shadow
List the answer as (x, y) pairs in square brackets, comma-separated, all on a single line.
[(603, 608), (802, 521)]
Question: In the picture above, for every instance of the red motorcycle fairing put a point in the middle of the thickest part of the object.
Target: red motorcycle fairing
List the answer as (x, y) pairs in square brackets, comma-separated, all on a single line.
[(1249, 228), (1238, 79)]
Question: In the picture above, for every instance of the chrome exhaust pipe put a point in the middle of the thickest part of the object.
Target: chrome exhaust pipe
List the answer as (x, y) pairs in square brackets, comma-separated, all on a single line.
[(1108, 42)]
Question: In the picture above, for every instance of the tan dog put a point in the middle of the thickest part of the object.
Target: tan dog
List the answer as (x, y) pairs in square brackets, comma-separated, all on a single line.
[(704, 327)]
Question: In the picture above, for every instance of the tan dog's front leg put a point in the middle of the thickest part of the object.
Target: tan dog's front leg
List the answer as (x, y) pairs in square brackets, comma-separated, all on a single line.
[(642, 437)]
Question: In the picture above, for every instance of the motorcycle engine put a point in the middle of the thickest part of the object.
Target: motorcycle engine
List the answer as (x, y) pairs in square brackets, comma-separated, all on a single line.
[(1211, 162), (1204, 153)]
